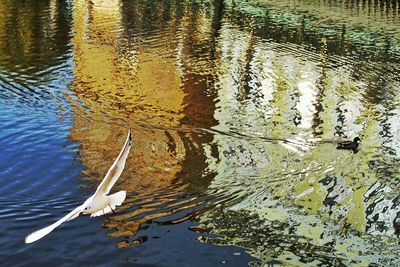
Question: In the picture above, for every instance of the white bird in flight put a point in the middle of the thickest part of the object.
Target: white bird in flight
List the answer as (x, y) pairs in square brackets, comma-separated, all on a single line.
[(100, 203)]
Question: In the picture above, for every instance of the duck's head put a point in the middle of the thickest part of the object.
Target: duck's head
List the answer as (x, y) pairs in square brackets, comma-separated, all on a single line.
[(357, 140)]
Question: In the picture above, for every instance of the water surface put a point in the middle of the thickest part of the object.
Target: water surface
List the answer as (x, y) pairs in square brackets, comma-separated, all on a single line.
[(235, 109)]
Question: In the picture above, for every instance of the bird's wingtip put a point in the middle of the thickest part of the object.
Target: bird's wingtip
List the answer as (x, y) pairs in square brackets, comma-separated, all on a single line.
[(29, 239), (130, 136), (35, 236)]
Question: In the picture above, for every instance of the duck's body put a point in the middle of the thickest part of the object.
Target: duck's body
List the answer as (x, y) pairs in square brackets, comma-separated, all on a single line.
[(350, 145)]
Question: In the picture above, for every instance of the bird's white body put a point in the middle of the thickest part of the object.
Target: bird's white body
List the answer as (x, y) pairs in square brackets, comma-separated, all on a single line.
[(100, 203), (103, 204)]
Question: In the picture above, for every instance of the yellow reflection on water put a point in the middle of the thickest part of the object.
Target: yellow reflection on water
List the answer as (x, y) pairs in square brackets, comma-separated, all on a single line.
[(107, 83), (121, 84)]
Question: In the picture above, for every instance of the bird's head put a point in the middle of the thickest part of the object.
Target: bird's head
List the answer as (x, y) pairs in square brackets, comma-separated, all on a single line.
[(357, 140)]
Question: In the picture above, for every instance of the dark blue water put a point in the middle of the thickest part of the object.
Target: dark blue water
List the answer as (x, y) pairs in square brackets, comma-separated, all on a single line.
[(235, 108)]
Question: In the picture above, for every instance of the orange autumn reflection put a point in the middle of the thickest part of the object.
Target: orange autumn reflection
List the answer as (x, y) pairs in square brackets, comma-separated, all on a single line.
[(107, 83), (121, 84)]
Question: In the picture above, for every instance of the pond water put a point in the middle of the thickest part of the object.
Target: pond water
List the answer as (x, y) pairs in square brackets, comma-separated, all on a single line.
[(235, 107)]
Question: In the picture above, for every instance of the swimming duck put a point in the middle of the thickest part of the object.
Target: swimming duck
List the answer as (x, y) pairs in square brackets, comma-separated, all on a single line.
[(351, 145)]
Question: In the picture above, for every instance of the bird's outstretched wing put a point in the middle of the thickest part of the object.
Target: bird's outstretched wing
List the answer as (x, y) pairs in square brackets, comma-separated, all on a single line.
[(42, 232), (116, 168)]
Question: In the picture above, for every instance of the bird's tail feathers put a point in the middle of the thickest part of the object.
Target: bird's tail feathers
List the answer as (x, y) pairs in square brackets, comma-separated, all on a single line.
[(116, 199)]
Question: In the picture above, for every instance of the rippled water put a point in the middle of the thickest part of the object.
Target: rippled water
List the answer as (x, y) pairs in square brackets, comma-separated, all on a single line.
[(235, 108)]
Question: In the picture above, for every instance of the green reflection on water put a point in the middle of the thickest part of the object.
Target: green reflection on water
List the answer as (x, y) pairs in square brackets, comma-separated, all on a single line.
[(303, 202)]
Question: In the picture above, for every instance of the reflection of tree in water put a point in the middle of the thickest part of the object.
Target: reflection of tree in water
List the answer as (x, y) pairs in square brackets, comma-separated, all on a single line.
[(172, 71), (35, 53), (283, 219), (154, 89), (341, 193), (284, 242), (34, 34)]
